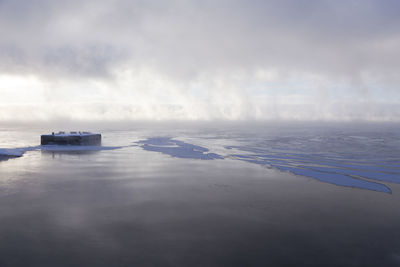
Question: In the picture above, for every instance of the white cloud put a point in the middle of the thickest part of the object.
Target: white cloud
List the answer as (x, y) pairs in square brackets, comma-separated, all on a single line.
[(221, 59)]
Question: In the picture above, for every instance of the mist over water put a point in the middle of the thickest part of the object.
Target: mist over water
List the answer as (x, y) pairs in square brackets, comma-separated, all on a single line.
[(213, 60)]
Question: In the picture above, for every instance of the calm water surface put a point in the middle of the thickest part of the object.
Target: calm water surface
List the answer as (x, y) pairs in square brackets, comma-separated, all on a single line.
[(254, 195)]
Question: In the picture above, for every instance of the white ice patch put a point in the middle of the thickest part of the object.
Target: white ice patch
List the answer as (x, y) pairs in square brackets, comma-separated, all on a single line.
[(16, 152), (12, 152)]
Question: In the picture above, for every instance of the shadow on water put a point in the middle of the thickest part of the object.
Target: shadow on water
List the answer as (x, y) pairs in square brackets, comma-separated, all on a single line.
[(54, 153), (6, 154), (59, 150), (5, 158), (62, 149)]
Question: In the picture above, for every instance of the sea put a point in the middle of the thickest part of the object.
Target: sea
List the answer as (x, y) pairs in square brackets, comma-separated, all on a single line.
[(202, 194)]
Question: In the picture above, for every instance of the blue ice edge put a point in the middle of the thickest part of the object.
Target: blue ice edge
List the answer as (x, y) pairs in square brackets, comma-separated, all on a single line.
[(327, 173), (318, 168), (337, 179), (176, 148)]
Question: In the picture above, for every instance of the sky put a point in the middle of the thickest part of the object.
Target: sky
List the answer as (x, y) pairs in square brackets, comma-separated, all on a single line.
[(231, 60)]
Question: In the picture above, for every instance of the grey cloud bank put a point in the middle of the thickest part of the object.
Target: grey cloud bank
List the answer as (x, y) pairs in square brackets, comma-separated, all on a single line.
[(205, 59)]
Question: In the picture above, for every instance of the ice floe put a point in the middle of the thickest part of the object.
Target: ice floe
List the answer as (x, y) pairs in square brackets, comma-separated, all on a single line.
[(176, 148)]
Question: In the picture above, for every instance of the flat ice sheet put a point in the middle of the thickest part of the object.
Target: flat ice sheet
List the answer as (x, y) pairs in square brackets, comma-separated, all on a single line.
[(176, 148), (362, 161)]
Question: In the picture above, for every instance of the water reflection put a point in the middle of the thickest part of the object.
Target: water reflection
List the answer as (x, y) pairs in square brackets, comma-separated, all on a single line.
[(8, 153), (74, 149)]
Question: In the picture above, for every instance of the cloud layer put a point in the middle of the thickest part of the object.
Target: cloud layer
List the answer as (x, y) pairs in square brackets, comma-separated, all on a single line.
[(223, 59)]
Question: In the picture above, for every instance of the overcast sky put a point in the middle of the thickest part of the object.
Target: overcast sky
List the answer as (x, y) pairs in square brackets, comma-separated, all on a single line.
[(204, 59)]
